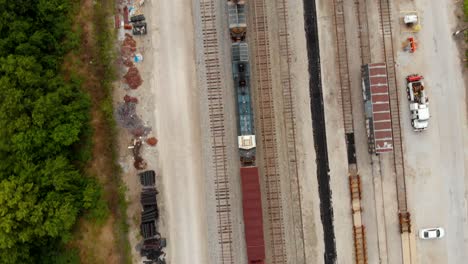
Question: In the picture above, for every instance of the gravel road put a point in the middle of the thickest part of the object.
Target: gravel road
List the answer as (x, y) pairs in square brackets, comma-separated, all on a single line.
[(177, 121)]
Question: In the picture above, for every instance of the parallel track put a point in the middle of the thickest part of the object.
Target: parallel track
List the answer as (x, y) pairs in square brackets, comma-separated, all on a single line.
[(289, 118), (397, 154), (217, 129), (360, 247), (364, 43), (268, 132), (342, 54), (387, 38)]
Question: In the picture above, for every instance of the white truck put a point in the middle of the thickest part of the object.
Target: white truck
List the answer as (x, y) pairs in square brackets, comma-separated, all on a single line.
[(418, 102)]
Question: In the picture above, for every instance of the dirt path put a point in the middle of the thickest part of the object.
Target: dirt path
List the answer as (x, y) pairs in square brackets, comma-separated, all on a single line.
[(173, 86)]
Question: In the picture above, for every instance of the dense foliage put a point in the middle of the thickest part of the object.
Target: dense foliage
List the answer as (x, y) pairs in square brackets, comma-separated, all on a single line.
[(42, 117), (465, 8)]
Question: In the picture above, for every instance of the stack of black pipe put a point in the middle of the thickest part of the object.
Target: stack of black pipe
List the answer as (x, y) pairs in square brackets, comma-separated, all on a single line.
[(147, 178), (148, 196), (150, 212), (153, 244), (148, 229)]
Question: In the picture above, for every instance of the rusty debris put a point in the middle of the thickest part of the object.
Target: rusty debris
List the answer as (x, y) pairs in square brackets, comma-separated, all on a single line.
[(139, 163), (152, 141), (128, 62), (133, 78), (130, 99), (129, 41)]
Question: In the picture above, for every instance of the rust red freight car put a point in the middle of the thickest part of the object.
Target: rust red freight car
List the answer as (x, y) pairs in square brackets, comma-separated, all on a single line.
[(377, 107), (253, 218)]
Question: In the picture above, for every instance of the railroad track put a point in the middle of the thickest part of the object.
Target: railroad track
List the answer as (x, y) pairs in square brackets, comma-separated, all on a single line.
[(387, 38), (289, 118), (268, 132), (360, 247), (285, 76), (342, 54), (217, 129), (389, 56), (364, 43), (385, 13)]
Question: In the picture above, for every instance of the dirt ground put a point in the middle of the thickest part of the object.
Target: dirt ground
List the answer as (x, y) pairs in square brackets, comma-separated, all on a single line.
[(437, 158)]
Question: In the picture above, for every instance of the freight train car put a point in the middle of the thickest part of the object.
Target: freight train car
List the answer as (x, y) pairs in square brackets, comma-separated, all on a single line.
[(241, 76), (251, 194), (253, 216), (237, 20), (377, 108)]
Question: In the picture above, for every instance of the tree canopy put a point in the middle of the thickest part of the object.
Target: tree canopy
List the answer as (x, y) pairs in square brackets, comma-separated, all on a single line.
[(42, 116)]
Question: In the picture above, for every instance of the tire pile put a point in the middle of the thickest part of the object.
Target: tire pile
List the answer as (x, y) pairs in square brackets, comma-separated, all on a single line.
[(153, 243)]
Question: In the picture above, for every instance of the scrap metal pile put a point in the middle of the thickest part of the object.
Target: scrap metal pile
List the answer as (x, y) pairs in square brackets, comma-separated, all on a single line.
[(136, 23), (127, 117), (126, 111), (139, 163), (153, 243), (129, 18)]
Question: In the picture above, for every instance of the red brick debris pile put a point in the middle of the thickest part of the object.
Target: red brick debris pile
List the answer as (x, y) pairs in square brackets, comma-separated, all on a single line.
[(133, 78), (128, 48)]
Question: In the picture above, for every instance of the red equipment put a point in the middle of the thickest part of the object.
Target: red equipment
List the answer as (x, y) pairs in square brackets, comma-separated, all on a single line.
[(414, 78), (412, 43), (125, 15)]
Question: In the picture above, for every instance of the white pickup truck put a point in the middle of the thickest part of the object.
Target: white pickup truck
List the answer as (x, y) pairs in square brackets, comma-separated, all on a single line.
[(418, 102)]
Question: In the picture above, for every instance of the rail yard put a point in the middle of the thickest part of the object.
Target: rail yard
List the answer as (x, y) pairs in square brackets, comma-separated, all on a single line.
[(294, 131)]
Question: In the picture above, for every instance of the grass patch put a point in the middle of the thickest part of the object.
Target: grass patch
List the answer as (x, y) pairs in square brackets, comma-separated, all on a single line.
[(465, 9), (107, 56), (105, 223), (122, 225), (99, 210)]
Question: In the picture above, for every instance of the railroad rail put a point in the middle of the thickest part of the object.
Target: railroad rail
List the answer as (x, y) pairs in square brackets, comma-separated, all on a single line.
[(397, 154), (217, 128), (360, 247), (289, 118), (364, 43), (387, 38), (285, 76), (267, 129), (403, 214), (342, 54)]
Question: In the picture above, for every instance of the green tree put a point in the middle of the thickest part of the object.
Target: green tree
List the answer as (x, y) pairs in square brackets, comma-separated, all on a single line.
[(42, 118)]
